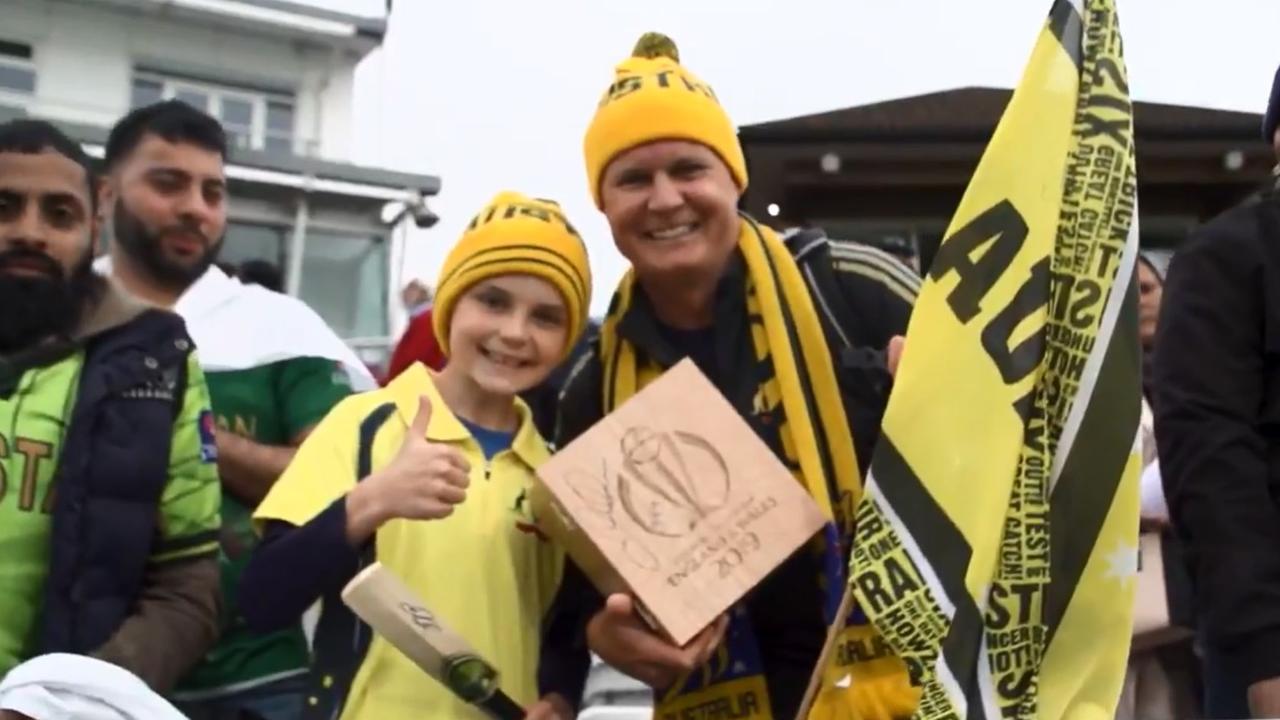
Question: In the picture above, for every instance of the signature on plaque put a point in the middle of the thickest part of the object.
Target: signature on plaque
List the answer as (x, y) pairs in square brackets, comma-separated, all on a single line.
[(597, 496), (668, 483)]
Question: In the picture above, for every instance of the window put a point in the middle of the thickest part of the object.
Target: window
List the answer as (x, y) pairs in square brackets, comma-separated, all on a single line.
[(17, 74), (344, 278), (146, 92), (245, 241), (237, 119), (253, 119), (278, 136)]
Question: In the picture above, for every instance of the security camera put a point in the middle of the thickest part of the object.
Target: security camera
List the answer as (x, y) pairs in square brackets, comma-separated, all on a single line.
[(423, 217), (395, 211)]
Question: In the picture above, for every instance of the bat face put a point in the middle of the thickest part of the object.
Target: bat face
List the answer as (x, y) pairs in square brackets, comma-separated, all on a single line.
[(396, 613)]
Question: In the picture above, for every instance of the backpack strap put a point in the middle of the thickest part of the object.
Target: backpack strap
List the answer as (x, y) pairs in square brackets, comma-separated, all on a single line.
[(811, 249), (341, 638)]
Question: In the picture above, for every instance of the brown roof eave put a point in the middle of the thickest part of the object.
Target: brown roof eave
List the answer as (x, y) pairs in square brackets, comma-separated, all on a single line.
[(772, 136)]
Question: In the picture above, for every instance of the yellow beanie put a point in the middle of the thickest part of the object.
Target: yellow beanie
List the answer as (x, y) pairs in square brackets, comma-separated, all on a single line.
[(654, 98), (515, 234)]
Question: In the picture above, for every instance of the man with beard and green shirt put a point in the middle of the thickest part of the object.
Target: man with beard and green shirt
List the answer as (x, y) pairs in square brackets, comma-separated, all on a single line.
[(274, 369), (108, 486)]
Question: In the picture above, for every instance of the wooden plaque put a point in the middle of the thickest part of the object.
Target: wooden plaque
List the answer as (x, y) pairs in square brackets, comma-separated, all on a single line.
[(674, 499)]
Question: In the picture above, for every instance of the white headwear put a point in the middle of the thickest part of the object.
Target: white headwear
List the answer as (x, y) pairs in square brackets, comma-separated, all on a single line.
[(74, 687)]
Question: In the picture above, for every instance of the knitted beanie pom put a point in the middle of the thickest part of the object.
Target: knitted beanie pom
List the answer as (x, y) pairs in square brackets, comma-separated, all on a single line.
[(656, 45)]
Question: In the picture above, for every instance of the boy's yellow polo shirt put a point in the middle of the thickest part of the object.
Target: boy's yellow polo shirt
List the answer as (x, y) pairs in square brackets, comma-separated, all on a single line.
[(483, 570)]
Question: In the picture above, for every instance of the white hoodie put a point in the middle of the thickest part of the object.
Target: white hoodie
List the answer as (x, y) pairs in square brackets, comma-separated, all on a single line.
[(237, 326)]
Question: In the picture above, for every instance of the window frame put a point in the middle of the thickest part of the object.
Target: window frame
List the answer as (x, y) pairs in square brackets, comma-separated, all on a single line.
[(322, 231), (317, 233), (11, 96), (259, 100)]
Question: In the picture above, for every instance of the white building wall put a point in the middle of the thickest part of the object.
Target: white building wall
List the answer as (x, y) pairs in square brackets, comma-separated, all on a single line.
[(336, 100), (85, 54), (85, 57)]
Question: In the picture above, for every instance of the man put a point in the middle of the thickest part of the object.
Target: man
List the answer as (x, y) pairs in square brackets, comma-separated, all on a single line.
[(417, 344), (416, 298), (263, 273), (1163, 679), (665, 166), (108, 488), (901, 248), (1217, 411), (274, 371)]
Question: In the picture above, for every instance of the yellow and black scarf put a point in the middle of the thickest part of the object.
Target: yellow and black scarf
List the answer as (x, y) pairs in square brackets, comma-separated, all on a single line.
[(800, 390)]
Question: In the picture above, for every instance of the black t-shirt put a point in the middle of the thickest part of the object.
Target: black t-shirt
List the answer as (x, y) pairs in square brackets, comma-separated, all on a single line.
[(697, 345)]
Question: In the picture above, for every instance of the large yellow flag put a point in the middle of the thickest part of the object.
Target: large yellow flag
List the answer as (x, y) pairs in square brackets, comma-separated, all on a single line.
[(996, 542)]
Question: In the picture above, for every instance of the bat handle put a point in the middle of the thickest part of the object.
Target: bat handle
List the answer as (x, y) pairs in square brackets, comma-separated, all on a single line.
[(500, 706)]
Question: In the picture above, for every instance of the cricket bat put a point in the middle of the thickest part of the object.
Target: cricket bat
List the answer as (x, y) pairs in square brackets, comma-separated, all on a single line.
[(396, 613)]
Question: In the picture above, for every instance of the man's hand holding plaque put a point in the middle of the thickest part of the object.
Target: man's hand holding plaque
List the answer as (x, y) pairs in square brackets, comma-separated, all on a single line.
[(675, 509), (624, 640)]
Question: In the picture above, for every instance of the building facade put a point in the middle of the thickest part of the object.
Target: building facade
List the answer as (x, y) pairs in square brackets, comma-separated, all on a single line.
[(893, 173), (280, 76)]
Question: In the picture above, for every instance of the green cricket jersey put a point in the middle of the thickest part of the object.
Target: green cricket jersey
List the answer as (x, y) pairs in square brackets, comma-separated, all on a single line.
[(270, 404), (33, 424)]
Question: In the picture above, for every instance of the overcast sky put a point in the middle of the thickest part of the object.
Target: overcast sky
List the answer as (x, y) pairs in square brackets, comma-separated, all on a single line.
[(497, 94)]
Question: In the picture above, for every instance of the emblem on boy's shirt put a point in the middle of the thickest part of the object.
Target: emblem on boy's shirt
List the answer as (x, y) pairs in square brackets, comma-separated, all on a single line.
[(526, 522), (761, 411)]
